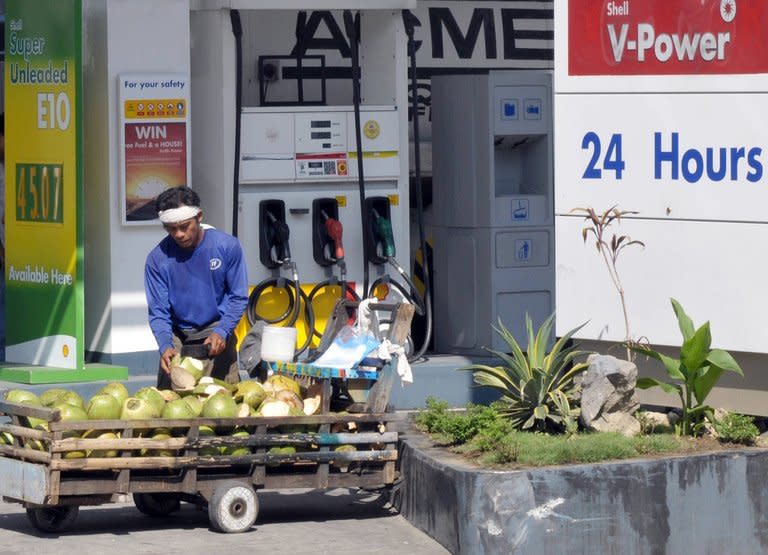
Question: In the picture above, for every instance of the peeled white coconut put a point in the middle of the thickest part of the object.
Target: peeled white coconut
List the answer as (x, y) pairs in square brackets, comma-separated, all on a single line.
[(182, 379), (274, 407)]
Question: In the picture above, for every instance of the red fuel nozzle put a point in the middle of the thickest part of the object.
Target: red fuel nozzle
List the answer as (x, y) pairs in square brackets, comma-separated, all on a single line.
[(335, 230)]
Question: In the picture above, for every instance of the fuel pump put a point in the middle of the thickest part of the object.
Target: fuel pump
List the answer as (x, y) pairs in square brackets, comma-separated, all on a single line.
[(275, 254)]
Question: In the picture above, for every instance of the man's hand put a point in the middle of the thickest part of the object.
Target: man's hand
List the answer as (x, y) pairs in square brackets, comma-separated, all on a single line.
[(165, 359), (216, 344)]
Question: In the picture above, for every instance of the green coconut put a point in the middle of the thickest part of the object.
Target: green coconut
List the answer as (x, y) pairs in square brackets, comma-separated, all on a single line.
[(162, 433), (49, 396), (70, 413), (117, 390), (285, 450), (169, 395), (6, 438), (207, 431), (135, 408), (22, 396), (251, 393), (280, 381), (195, 404), (153, 396), (221, 405), (101, 434), (103, 406), (178, 410), (237, 450), (70, 398)]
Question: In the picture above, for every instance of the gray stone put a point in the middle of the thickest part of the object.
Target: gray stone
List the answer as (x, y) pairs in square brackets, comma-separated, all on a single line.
[(608, 386), (620, 422)]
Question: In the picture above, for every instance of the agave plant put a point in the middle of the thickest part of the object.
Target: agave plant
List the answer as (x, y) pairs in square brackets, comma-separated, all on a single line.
[(537, 387)]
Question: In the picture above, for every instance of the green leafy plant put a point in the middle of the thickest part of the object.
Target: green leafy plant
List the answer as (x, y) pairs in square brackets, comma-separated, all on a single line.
[(737, 428), (452, 426), (693, 374), (537, 387), (610, 250)]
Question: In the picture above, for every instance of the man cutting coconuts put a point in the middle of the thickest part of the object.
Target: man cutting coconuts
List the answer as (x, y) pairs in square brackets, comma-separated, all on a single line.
[(197, 289)]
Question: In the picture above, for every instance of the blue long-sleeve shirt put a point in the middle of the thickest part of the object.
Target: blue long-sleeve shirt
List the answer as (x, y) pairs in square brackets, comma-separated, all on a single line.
[(192, 289)]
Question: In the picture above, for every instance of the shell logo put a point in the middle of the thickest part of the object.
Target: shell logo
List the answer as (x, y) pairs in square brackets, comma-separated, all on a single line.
[(371, 129), (65, 350), (341, 167)]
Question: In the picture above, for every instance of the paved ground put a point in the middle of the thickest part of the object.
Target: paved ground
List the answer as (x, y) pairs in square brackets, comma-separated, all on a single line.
[(290, 521)]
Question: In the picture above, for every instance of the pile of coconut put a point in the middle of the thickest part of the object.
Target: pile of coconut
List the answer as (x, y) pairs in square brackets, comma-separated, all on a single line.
[(192, 395)]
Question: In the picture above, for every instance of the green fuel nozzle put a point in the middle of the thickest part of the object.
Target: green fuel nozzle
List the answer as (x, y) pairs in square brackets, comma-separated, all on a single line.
[(383, 228)]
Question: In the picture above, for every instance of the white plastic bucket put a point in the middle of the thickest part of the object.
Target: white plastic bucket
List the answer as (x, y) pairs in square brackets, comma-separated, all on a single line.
[(278, 344)]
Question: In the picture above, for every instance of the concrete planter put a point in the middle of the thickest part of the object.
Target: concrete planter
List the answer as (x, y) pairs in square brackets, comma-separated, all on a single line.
[(707, 503)]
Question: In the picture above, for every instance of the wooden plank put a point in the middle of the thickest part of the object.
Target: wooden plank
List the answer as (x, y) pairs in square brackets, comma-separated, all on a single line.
[(124, 478), (150, 463), (401, 323), (315, 419), (20, 409), (25, 454), (24, 481), (189, 483), (253, 440), (55, 475), (24, 431), (259, 471)]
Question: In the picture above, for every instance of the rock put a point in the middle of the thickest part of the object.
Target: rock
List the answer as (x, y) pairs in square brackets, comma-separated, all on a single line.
[(621, 422), (762, 440), (608, 387), (658, 421)]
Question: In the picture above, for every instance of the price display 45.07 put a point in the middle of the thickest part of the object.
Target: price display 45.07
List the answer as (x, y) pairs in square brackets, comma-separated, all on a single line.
[(39, 193)]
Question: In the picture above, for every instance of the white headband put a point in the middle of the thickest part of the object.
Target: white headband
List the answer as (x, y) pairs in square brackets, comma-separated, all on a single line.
[(176, 215)]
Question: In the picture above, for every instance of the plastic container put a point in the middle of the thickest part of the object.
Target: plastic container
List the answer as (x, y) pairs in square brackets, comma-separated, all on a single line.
[(278, 344)]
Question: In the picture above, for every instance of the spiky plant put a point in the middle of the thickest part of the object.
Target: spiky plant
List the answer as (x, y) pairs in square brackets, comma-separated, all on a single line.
[(537, 387)]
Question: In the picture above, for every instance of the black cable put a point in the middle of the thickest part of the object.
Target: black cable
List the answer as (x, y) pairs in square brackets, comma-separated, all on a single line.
[(409, 20), (351, 26), (345, 288), (258, 291), (237, 30)]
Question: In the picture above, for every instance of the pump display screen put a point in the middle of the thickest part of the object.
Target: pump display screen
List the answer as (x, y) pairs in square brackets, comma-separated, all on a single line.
[(321, 135), (320, 124)]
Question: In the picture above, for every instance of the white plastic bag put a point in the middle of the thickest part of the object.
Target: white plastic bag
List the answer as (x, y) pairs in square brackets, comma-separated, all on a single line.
[(350, 346)]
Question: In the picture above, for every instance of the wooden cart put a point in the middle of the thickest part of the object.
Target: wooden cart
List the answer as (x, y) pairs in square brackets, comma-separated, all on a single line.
[(47, 470), (48, 473)]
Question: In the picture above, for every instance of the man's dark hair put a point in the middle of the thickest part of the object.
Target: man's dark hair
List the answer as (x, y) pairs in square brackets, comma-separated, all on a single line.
[(175, 197)]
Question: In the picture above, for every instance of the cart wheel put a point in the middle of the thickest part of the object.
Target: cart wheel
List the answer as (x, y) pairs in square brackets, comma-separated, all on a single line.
[(53, 519), (156, 504), (233, 507)]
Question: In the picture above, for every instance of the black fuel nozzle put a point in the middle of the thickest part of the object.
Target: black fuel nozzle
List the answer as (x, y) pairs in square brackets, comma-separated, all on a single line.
[(280, 235)]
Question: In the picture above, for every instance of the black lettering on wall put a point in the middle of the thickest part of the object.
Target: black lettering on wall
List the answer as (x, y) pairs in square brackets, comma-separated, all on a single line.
[(306, 29), (464, 44)]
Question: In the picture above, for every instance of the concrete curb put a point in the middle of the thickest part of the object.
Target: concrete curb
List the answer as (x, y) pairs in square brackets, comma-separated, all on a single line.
[(708, 503)]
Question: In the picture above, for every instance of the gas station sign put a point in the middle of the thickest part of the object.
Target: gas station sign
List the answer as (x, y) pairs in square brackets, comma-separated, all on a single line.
[(663, 37), (657, 111), (43, 195)]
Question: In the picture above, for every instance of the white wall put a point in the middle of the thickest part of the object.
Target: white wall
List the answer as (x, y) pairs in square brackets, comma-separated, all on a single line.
[(122, 36)]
